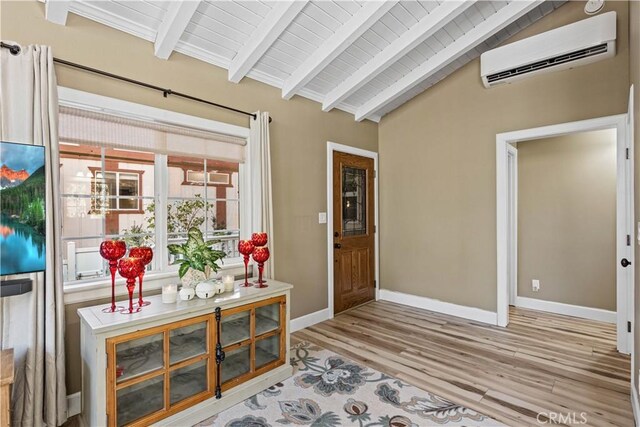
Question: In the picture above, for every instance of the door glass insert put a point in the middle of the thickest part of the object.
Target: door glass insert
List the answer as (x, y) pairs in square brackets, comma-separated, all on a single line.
[(267, 318), (267, 350), (188, 381), (235, 328), (140, 400), (236, 363), (187, 342), (139, 356), (354, 201)]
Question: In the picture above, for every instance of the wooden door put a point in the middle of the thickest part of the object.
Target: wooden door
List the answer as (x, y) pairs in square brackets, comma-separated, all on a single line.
[(353, 231)]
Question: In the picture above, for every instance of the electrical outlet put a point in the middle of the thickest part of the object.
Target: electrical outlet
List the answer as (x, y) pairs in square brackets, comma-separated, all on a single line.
[(535, 285)]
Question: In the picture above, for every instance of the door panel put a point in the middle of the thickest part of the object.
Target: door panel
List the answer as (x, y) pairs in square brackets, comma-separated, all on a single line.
[(354, 232)]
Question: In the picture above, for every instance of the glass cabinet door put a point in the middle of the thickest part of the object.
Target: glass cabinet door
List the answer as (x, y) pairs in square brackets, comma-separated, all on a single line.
[(235, 328), (139, 400), (139, 356), (267, 350), (267, 318), (187, 342), (188, 381), (236, 363), (160, 371)]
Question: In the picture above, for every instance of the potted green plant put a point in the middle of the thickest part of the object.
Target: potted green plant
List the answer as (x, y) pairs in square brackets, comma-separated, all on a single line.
[(196, 255)]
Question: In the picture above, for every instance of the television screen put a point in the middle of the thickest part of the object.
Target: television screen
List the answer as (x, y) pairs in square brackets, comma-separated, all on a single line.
[(22, 208)]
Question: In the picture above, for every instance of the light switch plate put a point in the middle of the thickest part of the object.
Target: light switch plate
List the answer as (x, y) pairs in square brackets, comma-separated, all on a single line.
[(322, 217)]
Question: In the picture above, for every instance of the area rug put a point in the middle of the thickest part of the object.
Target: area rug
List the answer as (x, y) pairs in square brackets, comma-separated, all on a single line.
[(328, 390)]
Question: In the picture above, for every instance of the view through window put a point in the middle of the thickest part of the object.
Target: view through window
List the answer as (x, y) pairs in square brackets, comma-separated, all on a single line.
[(114, 193)]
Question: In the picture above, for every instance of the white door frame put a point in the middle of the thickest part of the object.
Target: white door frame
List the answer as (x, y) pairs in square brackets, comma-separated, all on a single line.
[(331, 147), (624, 213), (512, 218)]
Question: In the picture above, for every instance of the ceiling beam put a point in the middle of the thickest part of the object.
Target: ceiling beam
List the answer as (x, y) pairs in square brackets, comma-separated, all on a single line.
[(417, 34), (496, 22), (349, 32), (276, 21), (175, 21), (56, 11)]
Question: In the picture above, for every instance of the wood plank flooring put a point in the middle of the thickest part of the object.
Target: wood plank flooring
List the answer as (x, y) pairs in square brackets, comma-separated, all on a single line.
[(540, 363)]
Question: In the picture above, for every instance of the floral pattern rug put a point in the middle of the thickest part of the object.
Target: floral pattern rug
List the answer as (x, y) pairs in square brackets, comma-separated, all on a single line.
[(328, 390)]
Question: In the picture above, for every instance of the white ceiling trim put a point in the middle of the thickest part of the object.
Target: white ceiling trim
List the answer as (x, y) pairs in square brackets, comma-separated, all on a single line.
[(91, 11), (457, 48), (417, 34), (175, 21), (56, 11), (276, 21), (360, 22)]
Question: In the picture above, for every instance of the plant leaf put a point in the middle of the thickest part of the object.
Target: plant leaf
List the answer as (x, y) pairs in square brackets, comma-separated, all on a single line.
[(184, 267), (176, 249)]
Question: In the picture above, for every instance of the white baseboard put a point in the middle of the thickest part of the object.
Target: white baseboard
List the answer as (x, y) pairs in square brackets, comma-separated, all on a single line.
[(471, 313), (567, 309), (635, 404), (309, 319), (74, 404)]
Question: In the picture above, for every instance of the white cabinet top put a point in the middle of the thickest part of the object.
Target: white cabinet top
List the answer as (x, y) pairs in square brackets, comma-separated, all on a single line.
[(99, 322)]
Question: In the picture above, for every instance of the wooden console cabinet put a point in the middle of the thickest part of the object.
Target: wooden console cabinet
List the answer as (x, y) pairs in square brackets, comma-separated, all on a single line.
[(177, 364)]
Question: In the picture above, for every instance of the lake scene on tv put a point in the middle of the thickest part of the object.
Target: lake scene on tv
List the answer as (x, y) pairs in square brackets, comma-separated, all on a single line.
[(22, 208)]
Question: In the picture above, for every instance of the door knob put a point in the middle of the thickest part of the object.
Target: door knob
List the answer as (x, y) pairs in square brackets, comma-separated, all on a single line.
[(337, 245), (625, 262)]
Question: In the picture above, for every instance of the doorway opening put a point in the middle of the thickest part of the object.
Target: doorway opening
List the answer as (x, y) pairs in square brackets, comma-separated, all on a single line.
[(507, 220), (352, 235)]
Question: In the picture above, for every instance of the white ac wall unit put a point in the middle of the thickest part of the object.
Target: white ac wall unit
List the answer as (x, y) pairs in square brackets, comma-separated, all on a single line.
[(576, 44)]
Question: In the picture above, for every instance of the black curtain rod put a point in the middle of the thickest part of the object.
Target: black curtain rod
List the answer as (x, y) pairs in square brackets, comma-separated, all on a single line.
[(15, 49)]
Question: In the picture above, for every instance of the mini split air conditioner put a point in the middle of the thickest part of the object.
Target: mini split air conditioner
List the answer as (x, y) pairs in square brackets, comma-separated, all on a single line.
[(576, 44)]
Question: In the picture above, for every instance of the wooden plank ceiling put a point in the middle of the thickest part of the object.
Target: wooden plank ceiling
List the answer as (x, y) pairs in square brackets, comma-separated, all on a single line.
[(363, 57)]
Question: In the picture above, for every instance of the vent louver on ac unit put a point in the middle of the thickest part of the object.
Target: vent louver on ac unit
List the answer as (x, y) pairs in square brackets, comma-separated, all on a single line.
[(580, 43), (551, 62)]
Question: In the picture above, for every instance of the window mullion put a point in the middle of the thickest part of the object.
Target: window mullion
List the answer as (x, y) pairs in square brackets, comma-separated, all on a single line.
[(161, 184)]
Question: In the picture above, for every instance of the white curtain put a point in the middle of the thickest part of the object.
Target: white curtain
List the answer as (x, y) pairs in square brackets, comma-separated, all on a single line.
[(260, 164), (33, 323)]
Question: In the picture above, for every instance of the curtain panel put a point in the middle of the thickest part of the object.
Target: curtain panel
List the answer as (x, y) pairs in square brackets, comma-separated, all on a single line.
[(262, 211), (33, 324)]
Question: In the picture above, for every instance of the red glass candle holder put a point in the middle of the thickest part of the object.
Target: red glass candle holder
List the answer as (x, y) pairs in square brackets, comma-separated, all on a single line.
[(145, 254), (261, 255), (259, 239), (112, 251), (130, 268), (245, 247)]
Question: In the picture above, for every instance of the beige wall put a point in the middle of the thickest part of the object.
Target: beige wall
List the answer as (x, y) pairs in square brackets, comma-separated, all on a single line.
[(567, 218), (299, 133), (437, 164), (634, 67)]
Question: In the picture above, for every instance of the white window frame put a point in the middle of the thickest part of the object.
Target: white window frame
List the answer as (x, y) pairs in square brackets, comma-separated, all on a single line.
[(117, 174), (95, 289)]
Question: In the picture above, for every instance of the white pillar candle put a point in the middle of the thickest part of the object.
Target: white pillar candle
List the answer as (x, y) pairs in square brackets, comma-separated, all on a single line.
[(228, 282), (169, 293)]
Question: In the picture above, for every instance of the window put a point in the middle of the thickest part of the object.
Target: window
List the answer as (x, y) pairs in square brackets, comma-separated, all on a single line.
[(146, 196), (124, 184)]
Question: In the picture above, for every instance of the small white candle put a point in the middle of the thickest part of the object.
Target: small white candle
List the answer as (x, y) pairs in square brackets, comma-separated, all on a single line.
[(169, 293), (228, 282)]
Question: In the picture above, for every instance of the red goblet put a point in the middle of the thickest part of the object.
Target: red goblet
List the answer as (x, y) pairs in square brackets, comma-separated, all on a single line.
[(145, 254), (259, 239), (130, 269), (112, 251), (261, 255), (245, 247)]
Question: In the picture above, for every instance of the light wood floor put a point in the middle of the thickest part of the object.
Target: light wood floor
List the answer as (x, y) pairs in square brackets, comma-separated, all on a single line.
[(540, 363)]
